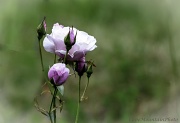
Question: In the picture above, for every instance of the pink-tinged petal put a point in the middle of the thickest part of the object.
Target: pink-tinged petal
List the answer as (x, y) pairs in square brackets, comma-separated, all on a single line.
[(78, 55), (44, 24), (61, 69), (73, 33), (59, 45), (74, 48), (48, 44), (51, 73), (60, 55), (62, 79), (72, 36), (60, 52), (56, 78), (80, 66)]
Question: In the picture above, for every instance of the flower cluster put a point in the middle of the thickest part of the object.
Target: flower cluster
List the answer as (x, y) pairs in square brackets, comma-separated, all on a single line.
[(71, 46)]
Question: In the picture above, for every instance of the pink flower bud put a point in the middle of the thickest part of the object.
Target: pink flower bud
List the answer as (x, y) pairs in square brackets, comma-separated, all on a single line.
[(72, 36), (44, 24), (70, 39), (81, 66), (59, 73), (89, 70), (41, 29)]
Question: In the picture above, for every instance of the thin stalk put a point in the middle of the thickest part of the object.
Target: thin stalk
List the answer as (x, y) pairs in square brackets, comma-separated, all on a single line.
[(65, 57), (79, 100), (82, 97), (53, 104), (42, 65), (51, 108), (54, 58)]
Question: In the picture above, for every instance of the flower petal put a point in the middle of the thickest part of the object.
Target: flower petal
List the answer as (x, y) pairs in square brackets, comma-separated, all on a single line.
[(74, 48), (51, 73), (63, 52), (48, 44), (81, 36), (78, 55), (56, 28), (62, 78), (59, 32)]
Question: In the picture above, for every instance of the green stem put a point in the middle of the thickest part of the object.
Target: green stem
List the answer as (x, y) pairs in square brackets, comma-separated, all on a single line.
[(42, 65), (79, 100), (50, 116), (82, 97), (53, 104), (54, 58), (65, 57)]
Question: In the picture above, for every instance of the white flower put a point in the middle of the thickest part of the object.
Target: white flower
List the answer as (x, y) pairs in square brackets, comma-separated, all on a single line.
[(54, 43)]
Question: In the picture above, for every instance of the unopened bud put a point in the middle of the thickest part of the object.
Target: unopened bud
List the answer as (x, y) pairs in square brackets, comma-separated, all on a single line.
[(70, 39), (80, 66), (89, 69), (41, 29), (58, 74)]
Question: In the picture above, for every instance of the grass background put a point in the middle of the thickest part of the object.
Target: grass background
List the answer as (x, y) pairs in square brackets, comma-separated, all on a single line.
[(137, 57)]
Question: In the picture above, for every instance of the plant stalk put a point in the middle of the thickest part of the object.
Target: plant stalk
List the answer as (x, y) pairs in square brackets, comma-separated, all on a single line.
[(54, 58), (82, 97), (40, 52), (53, 104), (79, 100)]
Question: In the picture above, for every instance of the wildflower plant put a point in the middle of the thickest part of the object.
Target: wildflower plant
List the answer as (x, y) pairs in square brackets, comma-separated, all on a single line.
[(70, 46)]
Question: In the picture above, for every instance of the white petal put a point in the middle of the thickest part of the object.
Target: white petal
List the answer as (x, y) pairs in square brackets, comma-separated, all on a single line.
[(59, 32), (91, 44), (74, 48), (92, 48), (91, 39), (48, 44), (64, 32), (81, 37), (61, 52), (56, 28)]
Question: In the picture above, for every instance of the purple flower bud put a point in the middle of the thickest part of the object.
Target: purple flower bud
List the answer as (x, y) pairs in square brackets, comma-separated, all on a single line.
[(89, 71), (72, 36), (81, 66), (59, 73), (70, 39), (41, 29), (44, 24)]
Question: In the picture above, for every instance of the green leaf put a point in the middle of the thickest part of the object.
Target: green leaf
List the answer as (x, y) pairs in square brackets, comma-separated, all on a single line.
[(61, 89)]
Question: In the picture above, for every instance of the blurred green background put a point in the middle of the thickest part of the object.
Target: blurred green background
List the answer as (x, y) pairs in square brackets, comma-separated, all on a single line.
[(137, 57)]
